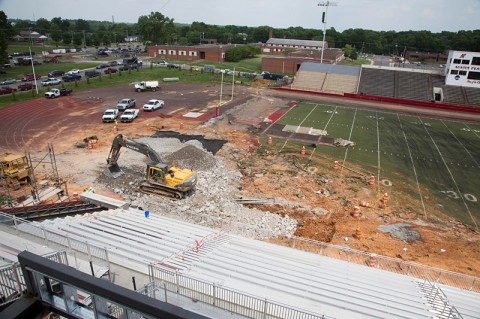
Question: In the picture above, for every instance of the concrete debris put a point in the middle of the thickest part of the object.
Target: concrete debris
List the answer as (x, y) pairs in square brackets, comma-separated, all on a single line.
[(213, 203), (401, 231), (343, 143)]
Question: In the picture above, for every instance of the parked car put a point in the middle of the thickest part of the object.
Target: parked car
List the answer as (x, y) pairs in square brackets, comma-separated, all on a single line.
[(55, 73), (73, 71), (7, 90), (31, 77), (71, 78), (8, 81), (163, 64), (125, 104), (26, 87), (153, 105), (112, 63), (51, 81), (92, 74), (110, 70), (2, 71), (101, 66)]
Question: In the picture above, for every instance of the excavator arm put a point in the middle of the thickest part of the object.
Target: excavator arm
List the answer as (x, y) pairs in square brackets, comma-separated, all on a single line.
[(118, 142)]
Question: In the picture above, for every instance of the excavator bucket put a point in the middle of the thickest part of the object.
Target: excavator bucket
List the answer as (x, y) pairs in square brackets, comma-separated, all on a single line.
[(113, 171)]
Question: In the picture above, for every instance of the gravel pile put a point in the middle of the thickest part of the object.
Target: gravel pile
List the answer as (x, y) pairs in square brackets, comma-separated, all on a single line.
[(211, 204)]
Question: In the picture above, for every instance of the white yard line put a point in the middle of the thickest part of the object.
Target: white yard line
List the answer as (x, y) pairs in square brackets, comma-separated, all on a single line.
[(378, 154), (473, 158), (349, 138), (451, 175), (299, 125), (333, 113), (471, 130), (414, 169)]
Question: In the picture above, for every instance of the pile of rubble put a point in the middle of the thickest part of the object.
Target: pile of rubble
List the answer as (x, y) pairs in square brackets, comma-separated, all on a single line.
[(212, 203)]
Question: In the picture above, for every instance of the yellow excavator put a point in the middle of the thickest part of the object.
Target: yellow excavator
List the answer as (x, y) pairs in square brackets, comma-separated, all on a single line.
[(14, 169), (160, 178)]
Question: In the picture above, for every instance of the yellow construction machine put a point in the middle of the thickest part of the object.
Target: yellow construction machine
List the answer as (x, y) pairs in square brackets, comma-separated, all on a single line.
[(160, 178), (14, 169)]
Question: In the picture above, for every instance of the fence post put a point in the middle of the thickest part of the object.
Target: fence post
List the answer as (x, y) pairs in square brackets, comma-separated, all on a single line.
[(177, 282), (214, 294), (44, 235), (88, 251), (265, 309), (165, 289)]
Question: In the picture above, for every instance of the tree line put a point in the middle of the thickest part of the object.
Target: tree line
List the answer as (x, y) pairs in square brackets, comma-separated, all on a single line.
[(156, 28)]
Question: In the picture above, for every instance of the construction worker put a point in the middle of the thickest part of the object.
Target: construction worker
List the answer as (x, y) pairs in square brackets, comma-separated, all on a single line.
[(116, 122)]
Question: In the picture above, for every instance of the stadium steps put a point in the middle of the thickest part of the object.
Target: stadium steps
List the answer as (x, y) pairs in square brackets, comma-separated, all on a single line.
[(412, 86), (462, 300), (308, 80), (472, 96), (340, 83), (437, 300), (378, 82)]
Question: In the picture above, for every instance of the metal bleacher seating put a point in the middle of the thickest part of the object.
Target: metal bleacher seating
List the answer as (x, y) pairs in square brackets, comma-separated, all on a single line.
[(378, 82), (413, 86)]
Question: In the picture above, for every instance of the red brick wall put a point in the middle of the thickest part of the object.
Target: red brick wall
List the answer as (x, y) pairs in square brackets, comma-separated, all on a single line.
[(278, 65)]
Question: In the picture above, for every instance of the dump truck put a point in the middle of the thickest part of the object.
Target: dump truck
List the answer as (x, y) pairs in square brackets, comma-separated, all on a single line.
[(146, 86), (14, 169), (160, 179)]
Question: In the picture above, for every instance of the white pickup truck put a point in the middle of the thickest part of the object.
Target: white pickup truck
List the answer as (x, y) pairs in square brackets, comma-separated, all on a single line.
[(129, 115), (110, 115), (53, 93), (126, 104)]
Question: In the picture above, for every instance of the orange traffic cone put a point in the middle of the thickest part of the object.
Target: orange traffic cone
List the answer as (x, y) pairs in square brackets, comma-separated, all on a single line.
[(386, 198), (234, 134), (335, 165), (372, 261), (358, 233), (269, 140), (303, 151), (365, 204), (115, 130), (181, 126), (356, 212), (371, 182), (89, 145), (204, 130)]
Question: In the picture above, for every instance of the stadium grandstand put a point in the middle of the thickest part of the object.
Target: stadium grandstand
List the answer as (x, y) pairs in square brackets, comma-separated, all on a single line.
[(245, 277), (409, 84)]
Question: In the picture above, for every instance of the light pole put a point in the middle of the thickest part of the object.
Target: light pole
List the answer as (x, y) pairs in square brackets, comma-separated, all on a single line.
[(324, 21)]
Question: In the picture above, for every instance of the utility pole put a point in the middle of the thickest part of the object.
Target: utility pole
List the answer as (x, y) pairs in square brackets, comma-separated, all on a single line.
[(324, 21)]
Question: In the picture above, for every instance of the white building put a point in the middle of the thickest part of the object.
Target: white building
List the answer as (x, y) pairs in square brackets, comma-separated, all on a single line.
[(463, 69)]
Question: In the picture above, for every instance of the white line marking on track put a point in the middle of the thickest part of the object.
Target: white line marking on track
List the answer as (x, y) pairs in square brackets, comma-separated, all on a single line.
[(414, 169), (473, 158), (349, 138), (451, 175), (378, 154), (472, 131)]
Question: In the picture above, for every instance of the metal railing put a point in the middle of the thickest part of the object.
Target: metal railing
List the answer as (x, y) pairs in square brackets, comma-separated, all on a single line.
[(224, 298), (51, 236), (439, 301), (12, 283), (398, 266)]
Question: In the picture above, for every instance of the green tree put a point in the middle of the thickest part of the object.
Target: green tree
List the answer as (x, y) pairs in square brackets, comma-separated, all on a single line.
[(67, 38), (42, 26), (56, 34), (4, 25), (154, 28), (78, 39)]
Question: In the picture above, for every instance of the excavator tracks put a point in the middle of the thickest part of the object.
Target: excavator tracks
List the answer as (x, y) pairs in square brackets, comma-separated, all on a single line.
[(163, 191)]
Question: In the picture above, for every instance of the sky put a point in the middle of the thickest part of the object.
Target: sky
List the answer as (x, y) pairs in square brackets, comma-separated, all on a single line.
[(377, 15)]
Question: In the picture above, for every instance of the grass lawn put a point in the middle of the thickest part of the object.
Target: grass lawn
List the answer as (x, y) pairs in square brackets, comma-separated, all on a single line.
[(435, 161)]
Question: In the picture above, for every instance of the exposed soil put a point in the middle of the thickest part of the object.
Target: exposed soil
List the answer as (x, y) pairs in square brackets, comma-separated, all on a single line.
[(325, 197)]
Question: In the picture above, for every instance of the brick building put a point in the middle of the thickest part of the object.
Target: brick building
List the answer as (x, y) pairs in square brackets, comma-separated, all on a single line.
[(207, 52), (426, 56), (291, 62)]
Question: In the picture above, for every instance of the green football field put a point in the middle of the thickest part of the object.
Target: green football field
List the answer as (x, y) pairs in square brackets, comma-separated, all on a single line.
[(436, 161)]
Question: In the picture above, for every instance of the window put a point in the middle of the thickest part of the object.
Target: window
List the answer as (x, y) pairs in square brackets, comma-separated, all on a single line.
[(476, 60), (454, 72), (465, 61), (457, 61), (182, 52), (162, 51), (171, 52), (193, 53), (473, 75), (462, 73)]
